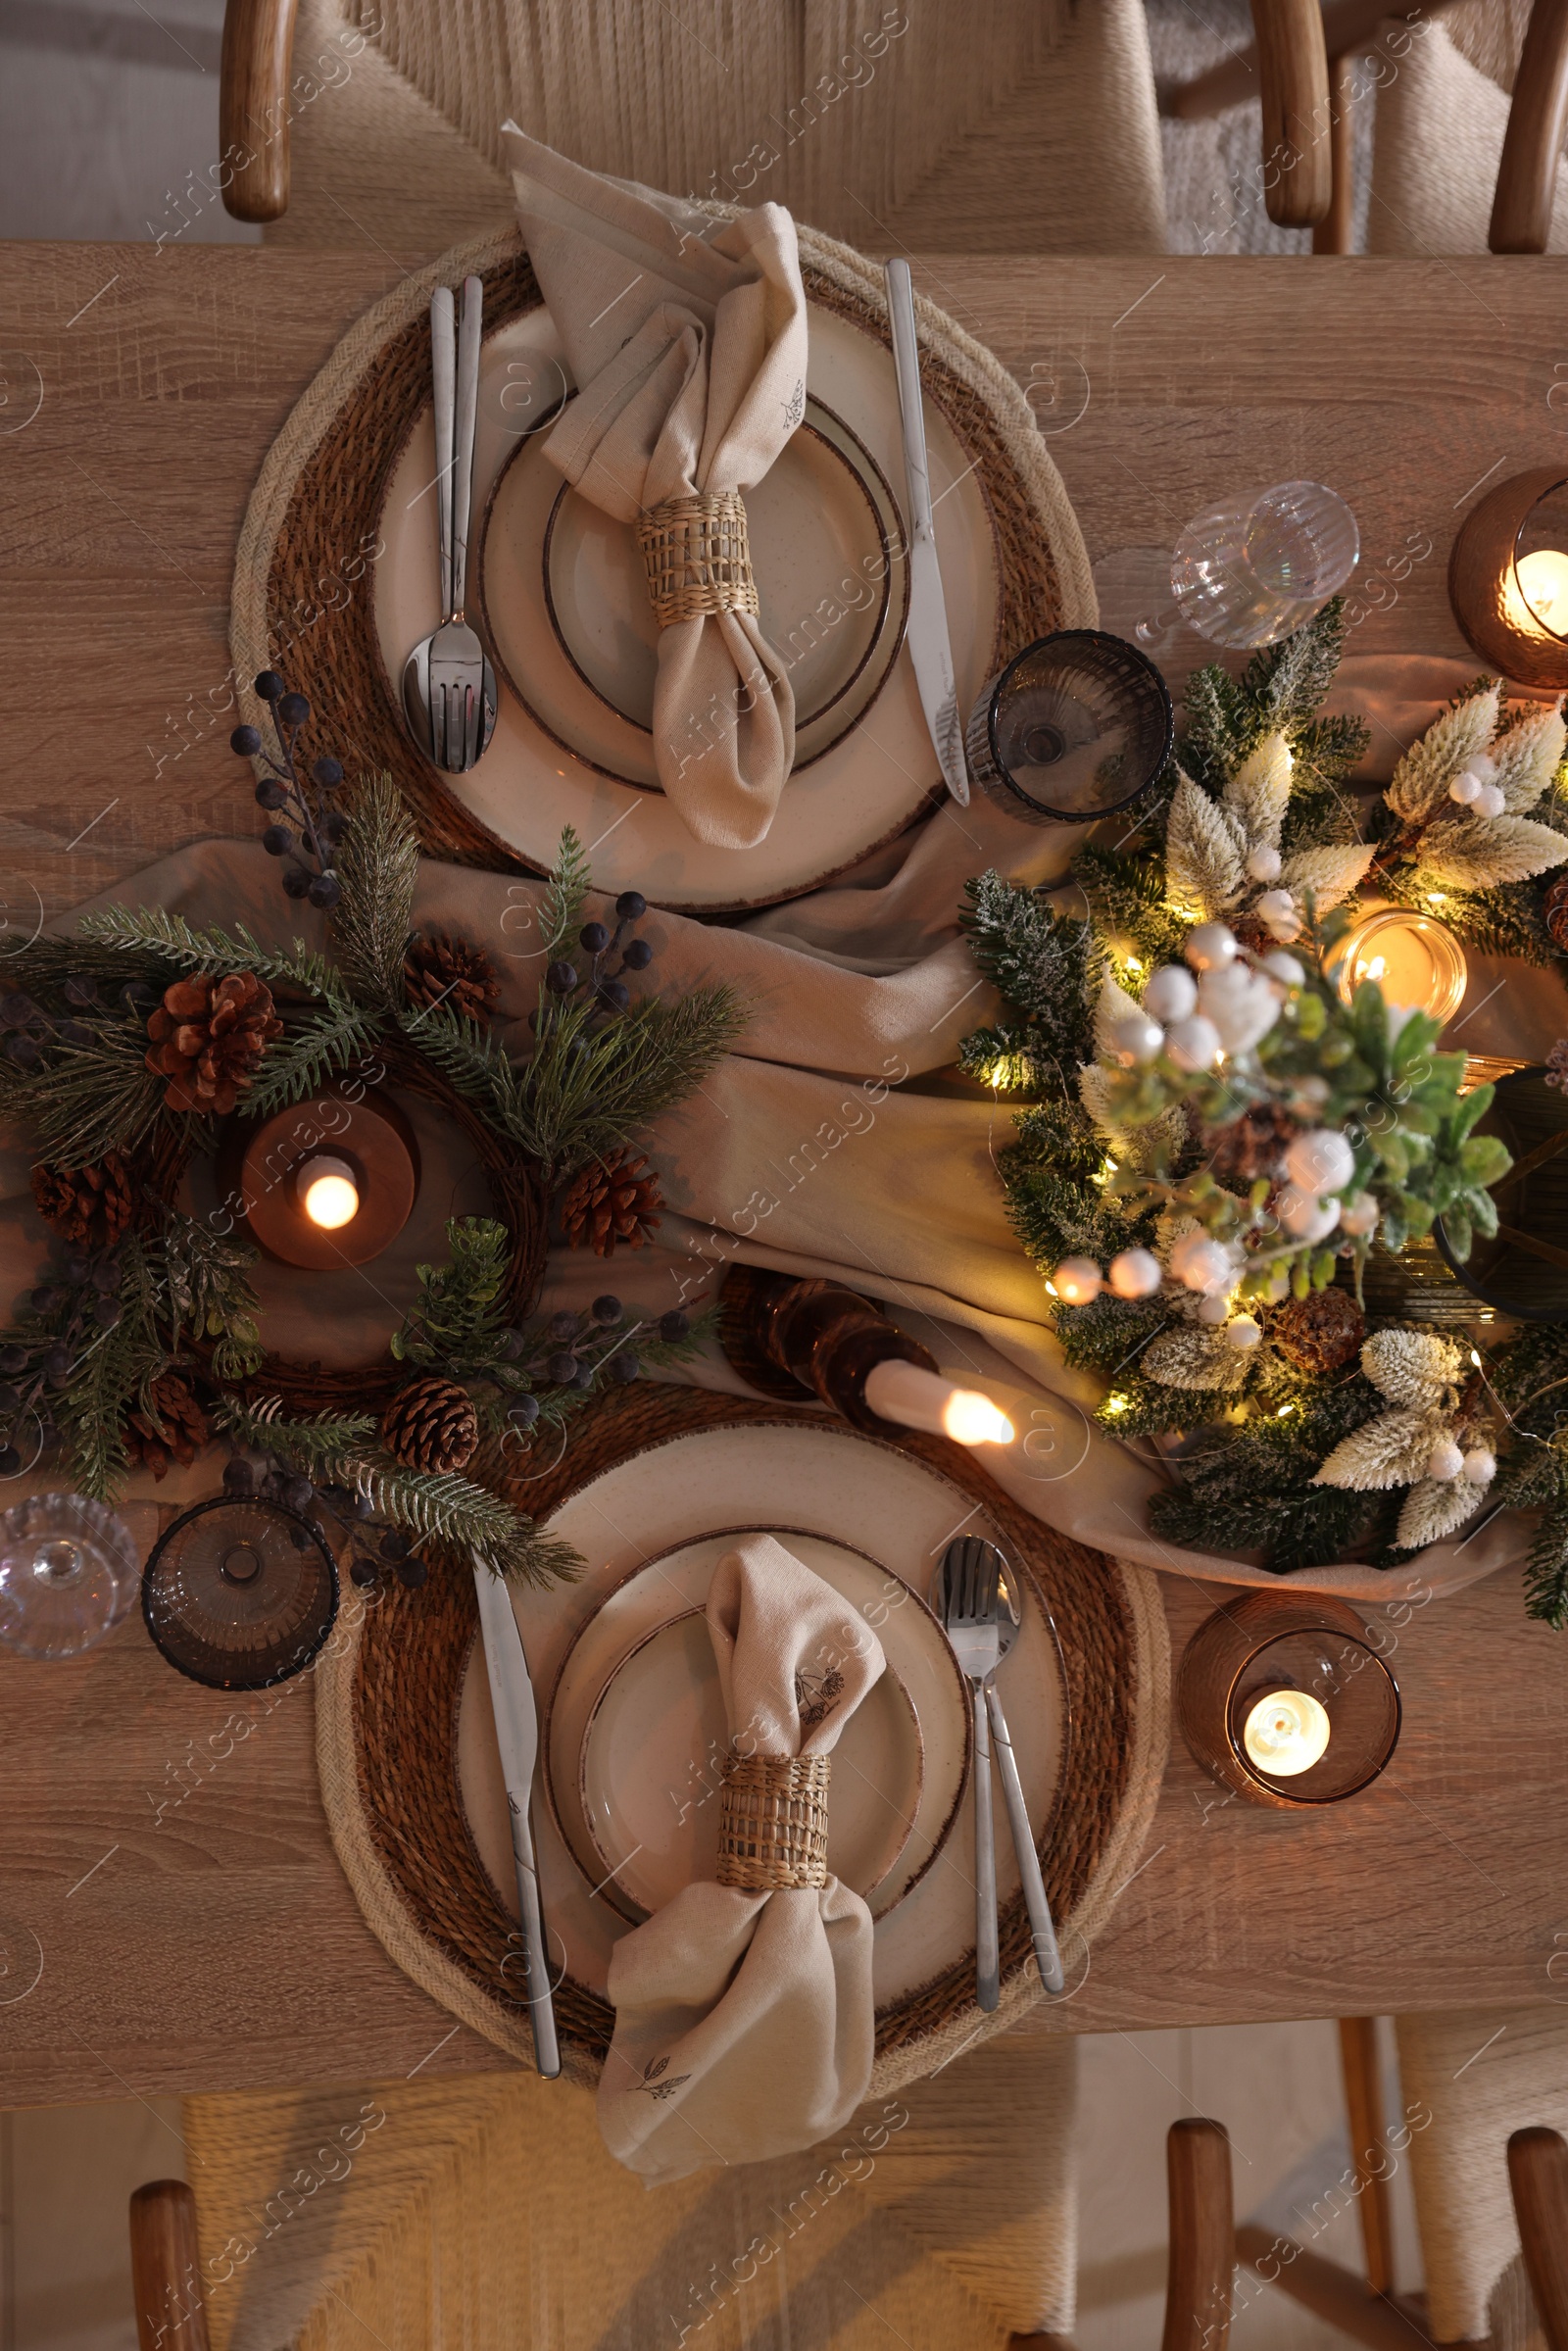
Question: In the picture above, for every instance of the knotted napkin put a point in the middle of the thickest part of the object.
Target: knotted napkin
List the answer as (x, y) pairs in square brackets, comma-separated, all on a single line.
[(744, 2019), (686, 338)]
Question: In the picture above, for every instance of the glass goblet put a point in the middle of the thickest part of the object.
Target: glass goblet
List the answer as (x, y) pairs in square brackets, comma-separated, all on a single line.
[(68, 1572), (1247, 571)]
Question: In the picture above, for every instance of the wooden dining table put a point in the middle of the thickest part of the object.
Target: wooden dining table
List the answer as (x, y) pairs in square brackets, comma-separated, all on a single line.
[(216, 1944)]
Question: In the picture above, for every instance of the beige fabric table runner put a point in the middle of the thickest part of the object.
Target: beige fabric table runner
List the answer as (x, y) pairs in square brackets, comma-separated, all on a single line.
[(830, 1144)]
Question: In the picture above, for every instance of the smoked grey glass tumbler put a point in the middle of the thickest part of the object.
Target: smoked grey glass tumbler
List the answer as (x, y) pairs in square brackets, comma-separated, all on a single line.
[(1075, 727)]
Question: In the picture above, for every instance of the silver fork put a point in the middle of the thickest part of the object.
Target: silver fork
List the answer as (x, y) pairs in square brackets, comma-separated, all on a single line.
[(981, 1615), (449, 687)]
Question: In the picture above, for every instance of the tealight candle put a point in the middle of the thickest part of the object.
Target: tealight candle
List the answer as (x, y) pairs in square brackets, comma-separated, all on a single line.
[(1286, 1732), (1415, 959), (1534, 592), (918, 1398), (328, 1193)]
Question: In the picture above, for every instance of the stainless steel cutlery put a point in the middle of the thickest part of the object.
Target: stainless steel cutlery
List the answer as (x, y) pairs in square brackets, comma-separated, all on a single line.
[(449, 687), (930, 648), (980, 1612), (517, 1737)]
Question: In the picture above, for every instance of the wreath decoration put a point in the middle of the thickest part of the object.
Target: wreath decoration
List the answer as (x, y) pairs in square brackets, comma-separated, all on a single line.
[(130, 1048), (1214, 1139)]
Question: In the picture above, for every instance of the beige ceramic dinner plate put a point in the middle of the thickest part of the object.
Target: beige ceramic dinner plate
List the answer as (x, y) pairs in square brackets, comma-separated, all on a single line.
[(850, 1489), (651, 1767), (567, 618), (898, 1775), (530, 785)]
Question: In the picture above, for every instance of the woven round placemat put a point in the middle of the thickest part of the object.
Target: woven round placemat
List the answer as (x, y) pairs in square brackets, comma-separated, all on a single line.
[(305, 564), (387, 1698)]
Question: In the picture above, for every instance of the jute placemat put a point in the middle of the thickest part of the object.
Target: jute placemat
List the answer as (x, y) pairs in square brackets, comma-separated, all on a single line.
[(303, 568), (387, 1699)]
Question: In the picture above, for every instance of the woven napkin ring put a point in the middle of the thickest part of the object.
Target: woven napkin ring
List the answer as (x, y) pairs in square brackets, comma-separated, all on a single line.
[(698, 558), (773, 1822)]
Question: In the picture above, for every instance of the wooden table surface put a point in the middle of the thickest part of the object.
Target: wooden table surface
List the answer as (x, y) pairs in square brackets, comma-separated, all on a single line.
[(220, 1946)]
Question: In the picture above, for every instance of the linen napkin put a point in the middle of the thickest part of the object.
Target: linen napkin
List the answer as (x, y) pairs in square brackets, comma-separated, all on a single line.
[(687, 340), (744, 2021)]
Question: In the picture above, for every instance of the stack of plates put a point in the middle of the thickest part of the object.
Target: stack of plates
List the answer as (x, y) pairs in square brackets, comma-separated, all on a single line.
[(562, 601), (633, 1726)]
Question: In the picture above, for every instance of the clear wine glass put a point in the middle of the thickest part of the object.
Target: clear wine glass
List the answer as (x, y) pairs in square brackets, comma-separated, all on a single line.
[(1250, 571), (68, 1572)]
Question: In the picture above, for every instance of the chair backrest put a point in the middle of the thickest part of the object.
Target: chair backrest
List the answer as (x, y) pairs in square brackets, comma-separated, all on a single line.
[(1538, 2174)]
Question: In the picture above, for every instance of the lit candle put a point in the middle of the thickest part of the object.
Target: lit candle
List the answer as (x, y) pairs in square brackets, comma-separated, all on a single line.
[(1286, 1732), (918, 1398), (1415, 959), (329, 1193), (1534, 592)]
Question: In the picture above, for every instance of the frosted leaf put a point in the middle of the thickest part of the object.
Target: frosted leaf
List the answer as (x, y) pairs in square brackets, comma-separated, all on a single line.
[(1528, 756), (1421, 780), (1206, 853), (1257, 793), (1435, 1509), (1331, 874), (1112, 1005), (1477, 853), (1413, 1367), (1392, 1451)]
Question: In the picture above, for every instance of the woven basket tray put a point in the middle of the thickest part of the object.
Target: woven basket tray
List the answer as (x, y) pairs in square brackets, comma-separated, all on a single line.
[(387, 1728), (303, 565)]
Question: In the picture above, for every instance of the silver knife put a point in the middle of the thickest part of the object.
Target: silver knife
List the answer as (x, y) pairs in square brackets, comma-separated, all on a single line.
[(517, 1737), (930, 648)]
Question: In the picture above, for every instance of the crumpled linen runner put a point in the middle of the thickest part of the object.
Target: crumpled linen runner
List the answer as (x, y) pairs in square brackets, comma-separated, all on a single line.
[(743, 2023), (687, 341)]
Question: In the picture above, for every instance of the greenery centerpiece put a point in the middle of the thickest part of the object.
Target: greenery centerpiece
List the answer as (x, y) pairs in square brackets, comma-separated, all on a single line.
[(128, 1045), (1216, 1132)]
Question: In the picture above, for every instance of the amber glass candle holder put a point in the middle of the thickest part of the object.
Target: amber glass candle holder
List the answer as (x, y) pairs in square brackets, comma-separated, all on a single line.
[(1509, 578), (1282, 1697)]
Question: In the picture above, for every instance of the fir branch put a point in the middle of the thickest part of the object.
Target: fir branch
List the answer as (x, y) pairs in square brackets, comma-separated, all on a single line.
[(155, 931), (112, 1374), (1042, 963), (304, 1061), (1547, 1569), (463, 1517), (565, 893), (377, 868), (86, 1100), (586, 1098)]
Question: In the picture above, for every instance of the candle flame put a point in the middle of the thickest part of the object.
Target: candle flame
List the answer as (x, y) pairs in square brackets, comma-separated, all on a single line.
[(973, 1419), (330, 1197), (1287, 1733)]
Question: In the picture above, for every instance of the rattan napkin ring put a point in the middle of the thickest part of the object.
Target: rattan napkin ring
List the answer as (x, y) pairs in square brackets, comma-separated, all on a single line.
[(773, 1822), (698, 558)]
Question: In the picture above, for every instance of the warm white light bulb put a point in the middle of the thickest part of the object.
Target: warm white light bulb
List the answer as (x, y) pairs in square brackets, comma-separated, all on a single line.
[(1286, 1732), (328, 1194), (973, 1419), (1543, 585)]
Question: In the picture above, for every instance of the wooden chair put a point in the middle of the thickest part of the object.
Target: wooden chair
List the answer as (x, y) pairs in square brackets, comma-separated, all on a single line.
[(1538, 2174), (166, 2261), (956, 125), (1303, 65)]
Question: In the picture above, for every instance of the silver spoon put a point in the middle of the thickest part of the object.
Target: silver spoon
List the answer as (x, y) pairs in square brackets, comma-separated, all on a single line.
[(449, 687), (976, 1605)]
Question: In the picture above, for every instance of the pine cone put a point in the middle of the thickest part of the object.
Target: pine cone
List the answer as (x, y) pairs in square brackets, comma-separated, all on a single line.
[(1250, 1146), (172, 1427), (430, 1425), (208, 1037), (86, 1205), (1554, 911), (615, 1200), (451, 972), (1318, 1333)]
